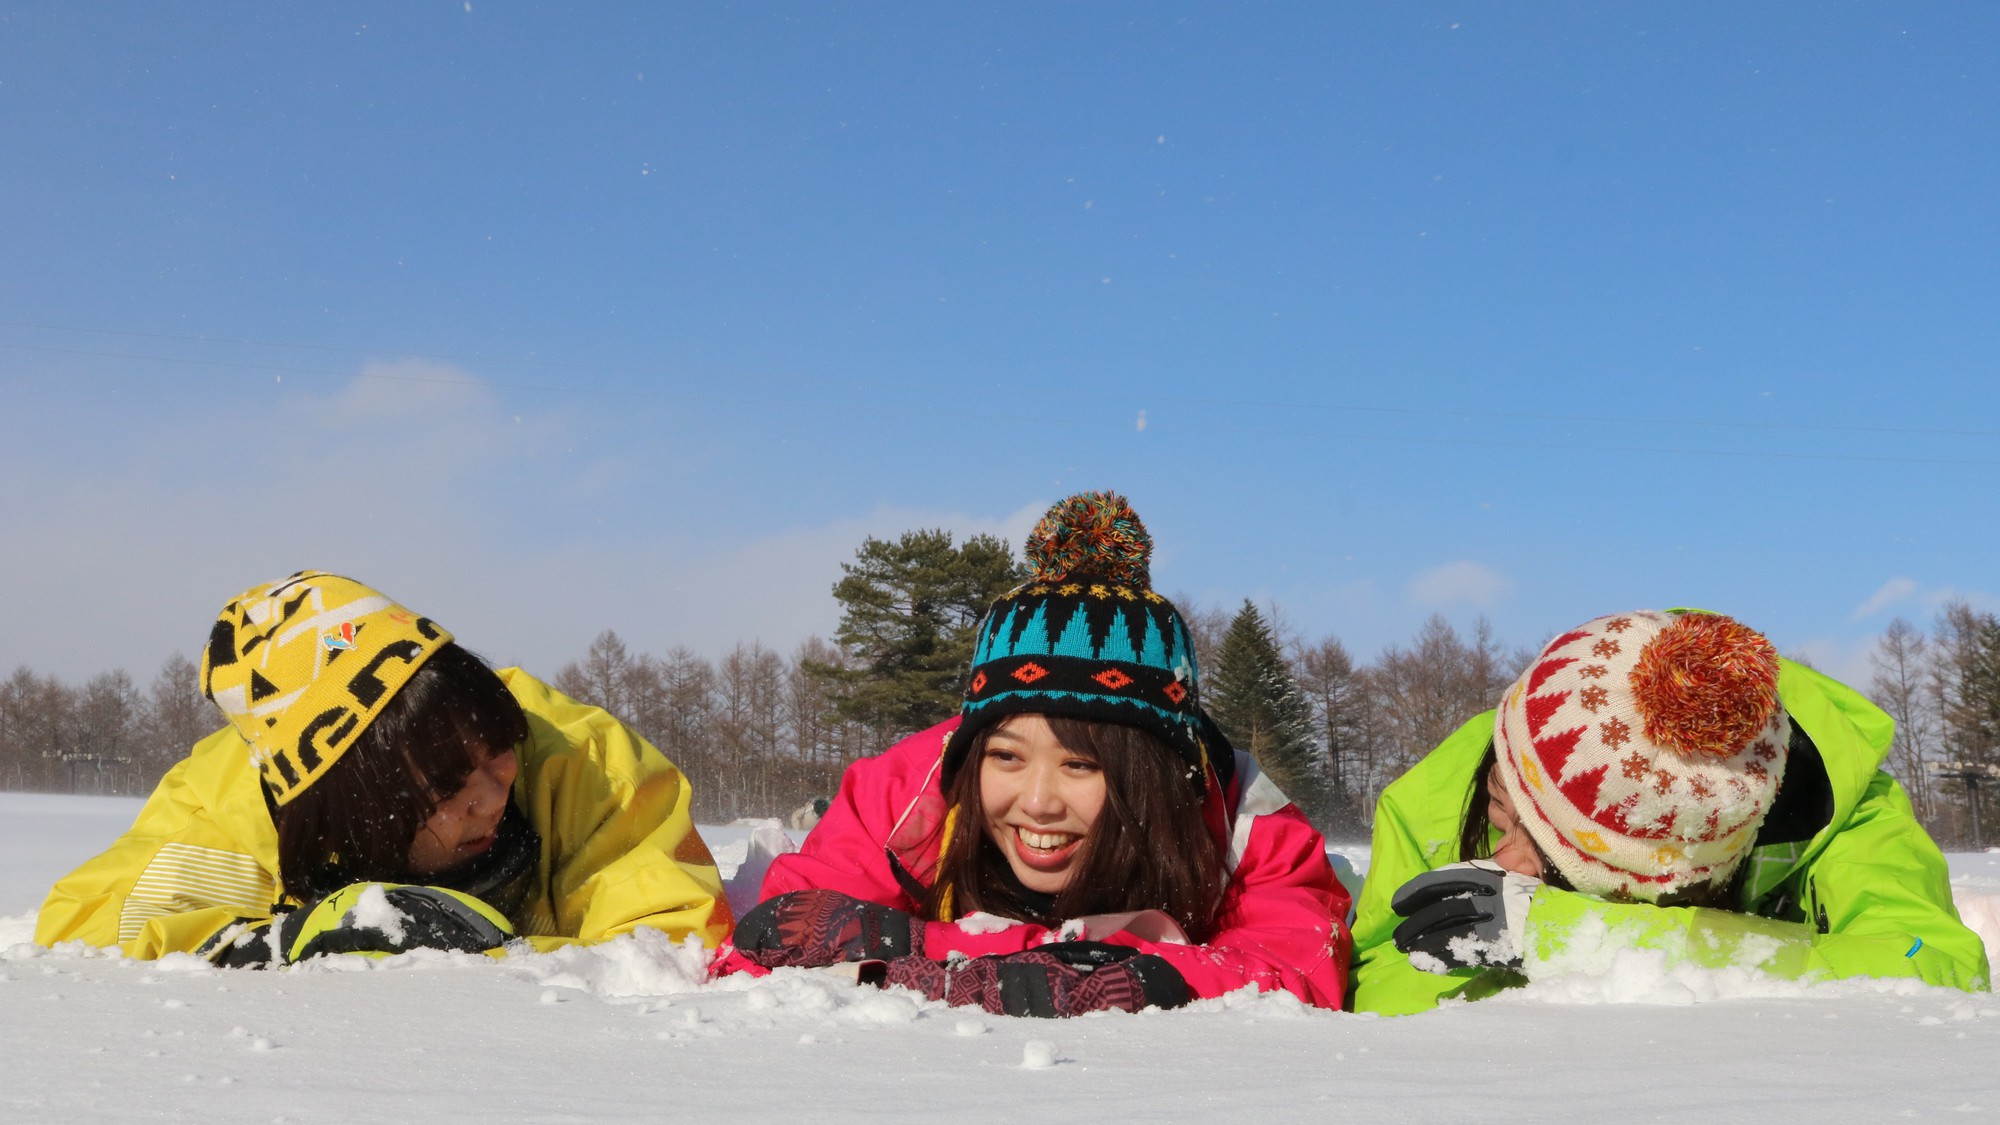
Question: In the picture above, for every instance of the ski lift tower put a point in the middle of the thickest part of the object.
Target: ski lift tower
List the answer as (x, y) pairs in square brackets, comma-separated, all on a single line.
[(1969, 774)]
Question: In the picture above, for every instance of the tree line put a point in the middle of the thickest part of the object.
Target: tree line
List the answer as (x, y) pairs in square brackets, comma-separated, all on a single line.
[(761, 732)]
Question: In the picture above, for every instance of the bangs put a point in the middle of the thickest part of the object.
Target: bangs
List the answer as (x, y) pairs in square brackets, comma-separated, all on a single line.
[(444, 726), (356, 823)]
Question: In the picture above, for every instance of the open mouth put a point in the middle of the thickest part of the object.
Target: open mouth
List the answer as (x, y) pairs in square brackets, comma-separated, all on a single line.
[(1045, 851), (480, 846)]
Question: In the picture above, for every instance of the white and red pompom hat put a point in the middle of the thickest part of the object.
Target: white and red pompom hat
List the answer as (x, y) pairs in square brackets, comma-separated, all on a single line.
[(1642, 751)]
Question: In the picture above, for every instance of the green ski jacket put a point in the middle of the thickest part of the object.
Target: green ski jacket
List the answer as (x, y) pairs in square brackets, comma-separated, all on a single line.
[(1841, 882)]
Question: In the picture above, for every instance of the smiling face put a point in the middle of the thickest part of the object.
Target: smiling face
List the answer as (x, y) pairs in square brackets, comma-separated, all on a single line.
[(467, 823), (1516, 850), (1039, 801)]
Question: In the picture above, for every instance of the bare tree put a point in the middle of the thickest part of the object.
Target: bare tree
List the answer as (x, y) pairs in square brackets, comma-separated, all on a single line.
[(1965, 689), (1338, 694), (601, 677), (749, 720), (177, 715), (1206, 626), (1902, 687), (108, 729)]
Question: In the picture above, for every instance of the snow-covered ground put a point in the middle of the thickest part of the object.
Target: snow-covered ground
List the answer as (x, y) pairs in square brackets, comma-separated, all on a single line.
[(628, 1032)]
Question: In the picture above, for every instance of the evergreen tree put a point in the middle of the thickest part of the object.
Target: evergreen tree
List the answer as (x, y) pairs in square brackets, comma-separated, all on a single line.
[(1251, 695), (909, 609)]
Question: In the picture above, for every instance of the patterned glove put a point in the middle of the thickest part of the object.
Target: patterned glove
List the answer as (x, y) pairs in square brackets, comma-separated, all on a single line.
[(1464, 915), (1062, 979), (821, 927), (367, 918)]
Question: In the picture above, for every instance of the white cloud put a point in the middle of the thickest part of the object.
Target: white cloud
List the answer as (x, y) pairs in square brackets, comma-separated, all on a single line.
[(1463, 582), (1898, 591), (411, 476), (1893, 591), (776, 589)]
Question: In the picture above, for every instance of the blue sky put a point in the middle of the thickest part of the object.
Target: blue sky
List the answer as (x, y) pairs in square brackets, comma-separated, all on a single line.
[(553, 318)]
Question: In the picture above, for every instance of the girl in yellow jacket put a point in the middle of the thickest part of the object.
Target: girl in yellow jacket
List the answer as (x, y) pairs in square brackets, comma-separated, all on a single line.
[(380, 789)]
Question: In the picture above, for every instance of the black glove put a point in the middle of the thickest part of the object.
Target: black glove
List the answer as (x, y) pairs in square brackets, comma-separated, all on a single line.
[(1062, 979), (1464, 915), (402, 919), (822, 927)]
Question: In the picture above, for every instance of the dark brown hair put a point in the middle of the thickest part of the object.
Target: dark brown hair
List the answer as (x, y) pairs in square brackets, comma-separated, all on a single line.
[(1150, 849), (356, 822)]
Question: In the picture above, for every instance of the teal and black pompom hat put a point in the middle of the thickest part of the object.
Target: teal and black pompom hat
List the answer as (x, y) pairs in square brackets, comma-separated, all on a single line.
[(1086, 637)]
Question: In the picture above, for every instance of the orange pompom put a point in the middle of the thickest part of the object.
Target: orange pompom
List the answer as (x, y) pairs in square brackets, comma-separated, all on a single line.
[(1094, 533), (1706, 685)]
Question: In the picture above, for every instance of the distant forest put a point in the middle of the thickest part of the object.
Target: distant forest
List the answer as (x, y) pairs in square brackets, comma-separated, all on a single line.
[(760, 733)]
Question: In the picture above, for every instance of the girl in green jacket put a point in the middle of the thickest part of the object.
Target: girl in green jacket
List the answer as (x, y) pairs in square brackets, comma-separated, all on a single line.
[(1663, 780)]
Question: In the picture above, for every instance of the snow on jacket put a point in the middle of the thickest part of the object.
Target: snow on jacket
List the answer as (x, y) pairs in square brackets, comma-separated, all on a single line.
[(1279, 925), (619, 848), (1841, 882)]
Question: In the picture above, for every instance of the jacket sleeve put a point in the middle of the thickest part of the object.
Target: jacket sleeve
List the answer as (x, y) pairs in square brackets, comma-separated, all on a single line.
[(847, 851), (1283, 922), (1384, 980), (616, 814), (176, 878), (1877, 899), (1885, 894), (1417, 823)]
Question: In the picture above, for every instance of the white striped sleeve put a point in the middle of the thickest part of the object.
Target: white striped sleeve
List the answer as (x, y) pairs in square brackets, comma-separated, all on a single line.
[(187, 877)]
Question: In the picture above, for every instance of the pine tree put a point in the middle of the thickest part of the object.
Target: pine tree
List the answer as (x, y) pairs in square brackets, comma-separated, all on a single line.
[(909, 611), (1251, 695)]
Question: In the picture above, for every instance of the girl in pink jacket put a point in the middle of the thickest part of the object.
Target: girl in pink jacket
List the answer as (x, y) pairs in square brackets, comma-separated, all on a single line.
[(1080, 837)]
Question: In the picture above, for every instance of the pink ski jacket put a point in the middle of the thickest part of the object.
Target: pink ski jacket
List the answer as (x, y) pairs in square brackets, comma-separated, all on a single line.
[(1280, 926)]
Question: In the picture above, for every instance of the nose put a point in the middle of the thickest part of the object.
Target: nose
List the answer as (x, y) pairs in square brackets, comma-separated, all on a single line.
[(498, 774), (1042, 798)]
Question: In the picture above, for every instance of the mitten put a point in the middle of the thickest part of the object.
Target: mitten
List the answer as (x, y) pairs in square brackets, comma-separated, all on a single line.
[(1464, 915), (822, 927), (1061, 979), (368, 918)]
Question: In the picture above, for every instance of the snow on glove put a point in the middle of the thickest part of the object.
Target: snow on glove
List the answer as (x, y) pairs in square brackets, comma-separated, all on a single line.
[(822, 927), (1062, 979), (1464, 915), (370, 918)]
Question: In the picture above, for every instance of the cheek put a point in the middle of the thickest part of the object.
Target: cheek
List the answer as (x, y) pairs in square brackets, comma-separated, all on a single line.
[(446, 820), (1087, 799), (995, 797)]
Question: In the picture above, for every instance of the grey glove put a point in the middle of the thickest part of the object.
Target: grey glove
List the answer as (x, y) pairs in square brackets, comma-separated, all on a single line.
[(1464, 915)]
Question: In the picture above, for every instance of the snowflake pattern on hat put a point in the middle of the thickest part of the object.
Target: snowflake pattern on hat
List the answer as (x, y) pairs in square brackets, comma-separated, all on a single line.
[(1642, 750)]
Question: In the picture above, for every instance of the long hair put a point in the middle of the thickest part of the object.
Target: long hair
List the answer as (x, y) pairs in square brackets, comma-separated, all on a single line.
[(1150, 848), (356, 823)]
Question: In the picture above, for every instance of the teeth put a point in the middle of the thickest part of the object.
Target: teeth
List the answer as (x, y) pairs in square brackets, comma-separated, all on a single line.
[(1044, 841)]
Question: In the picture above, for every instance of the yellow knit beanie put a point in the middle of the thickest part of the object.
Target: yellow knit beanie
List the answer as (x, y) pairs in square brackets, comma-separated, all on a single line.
[(302, 666)]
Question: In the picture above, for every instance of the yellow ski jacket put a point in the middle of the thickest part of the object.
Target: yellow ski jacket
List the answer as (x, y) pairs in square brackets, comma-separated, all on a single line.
[(619, 848)]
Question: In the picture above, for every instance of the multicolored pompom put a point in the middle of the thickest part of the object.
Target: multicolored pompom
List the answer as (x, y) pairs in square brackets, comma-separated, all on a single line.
[(1094, 533)]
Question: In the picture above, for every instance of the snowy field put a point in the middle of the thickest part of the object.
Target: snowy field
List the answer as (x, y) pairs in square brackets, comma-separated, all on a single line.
[(628, 1032)]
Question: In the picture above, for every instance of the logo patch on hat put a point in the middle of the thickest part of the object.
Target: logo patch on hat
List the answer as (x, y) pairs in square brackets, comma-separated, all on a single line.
[(339, 639)]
